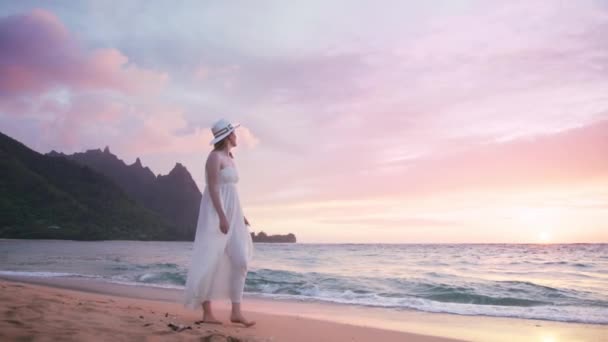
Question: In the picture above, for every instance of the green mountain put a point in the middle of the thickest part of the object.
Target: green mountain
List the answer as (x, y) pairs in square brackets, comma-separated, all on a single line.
[(44, 197)]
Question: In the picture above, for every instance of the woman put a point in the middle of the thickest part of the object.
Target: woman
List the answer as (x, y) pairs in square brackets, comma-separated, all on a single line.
[(222, 246)]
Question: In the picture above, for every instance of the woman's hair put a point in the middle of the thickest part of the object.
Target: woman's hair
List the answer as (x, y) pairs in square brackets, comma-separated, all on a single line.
[(221, 144)]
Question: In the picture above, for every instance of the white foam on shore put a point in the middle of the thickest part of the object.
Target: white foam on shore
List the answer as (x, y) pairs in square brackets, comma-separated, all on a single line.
[(120, 280), (45, 274), (114, 280), (573, 314), (586, 315)]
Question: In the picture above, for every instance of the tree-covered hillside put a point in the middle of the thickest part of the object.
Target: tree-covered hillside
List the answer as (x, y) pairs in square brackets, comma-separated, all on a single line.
[(46, 197)]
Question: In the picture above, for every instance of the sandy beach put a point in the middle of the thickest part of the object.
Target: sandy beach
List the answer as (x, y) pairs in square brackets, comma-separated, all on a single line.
[(78, 311), (35, 312)]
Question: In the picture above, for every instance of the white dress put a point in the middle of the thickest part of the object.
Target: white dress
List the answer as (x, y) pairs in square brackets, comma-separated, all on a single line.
[(219, 261)]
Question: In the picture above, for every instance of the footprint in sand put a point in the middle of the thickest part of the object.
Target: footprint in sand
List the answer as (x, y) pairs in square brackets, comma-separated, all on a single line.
[(15, 322)]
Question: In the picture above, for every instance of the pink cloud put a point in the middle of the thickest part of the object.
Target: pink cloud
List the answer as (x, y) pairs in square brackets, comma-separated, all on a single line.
[(246, 138), (159, 133), (501, 70), (574, 156), (85, 120), (494, 76), (571, 157), (39, 53)]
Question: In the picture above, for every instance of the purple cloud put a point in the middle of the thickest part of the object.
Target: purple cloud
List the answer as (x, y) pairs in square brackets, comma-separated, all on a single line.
[(39, 53)]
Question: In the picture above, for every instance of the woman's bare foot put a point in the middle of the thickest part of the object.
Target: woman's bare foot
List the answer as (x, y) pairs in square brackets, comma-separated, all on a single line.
[(209, 319), (241, 320)]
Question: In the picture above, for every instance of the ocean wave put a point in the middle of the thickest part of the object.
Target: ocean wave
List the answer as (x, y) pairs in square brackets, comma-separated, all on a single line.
[(573, 314), (173, 278), (124, 281), (46, 274), (468, 298), (131, 267), (522, 299)]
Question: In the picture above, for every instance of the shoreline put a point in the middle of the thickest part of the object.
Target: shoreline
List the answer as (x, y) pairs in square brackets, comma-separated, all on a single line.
[(34, 311), (338, 318)]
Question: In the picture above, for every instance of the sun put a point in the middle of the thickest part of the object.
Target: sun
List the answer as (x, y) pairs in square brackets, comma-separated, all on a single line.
[(541, 221), (544, 237)]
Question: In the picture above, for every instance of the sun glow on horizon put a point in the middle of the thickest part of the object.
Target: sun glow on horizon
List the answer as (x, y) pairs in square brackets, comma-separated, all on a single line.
[(537, 217), (540, 220), (544, 237)]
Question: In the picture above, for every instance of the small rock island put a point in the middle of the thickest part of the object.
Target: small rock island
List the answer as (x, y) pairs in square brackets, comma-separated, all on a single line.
[(263, 237)]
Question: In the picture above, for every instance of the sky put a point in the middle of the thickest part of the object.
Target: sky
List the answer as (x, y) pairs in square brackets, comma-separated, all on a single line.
[(362, 121)]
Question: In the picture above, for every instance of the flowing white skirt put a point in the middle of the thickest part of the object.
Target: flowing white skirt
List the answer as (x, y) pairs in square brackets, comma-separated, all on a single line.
[(219, 261)]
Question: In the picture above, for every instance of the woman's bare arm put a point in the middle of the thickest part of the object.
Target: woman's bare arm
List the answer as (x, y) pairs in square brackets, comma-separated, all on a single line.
[(213, 174)]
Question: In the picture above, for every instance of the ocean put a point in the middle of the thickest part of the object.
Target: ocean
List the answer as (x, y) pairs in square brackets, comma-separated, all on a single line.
[(565, 282)]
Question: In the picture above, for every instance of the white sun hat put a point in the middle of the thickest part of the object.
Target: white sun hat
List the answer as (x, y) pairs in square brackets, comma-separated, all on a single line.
[(222, 129)]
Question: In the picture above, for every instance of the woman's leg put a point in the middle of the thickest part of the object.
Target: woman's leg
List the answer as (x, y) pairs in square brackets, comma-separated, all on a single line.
[(238, 274), (208, 314)]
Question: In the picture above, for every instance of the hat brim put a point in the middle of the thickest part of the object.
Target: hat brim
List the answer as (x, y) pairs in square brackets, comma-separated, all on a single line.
[(221, 137)]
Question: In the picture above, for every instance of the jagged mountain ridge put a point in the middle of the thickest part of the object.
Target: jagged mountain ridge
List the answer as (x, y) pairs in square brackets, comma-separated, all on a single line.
[(44, 197), (175, 196)]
